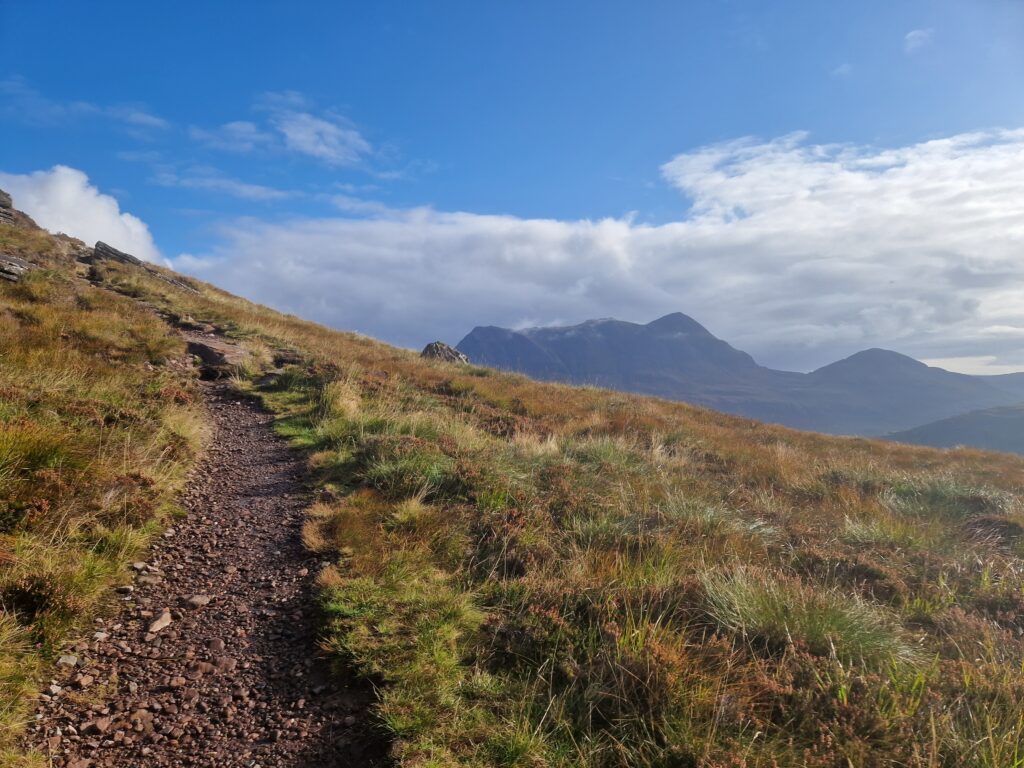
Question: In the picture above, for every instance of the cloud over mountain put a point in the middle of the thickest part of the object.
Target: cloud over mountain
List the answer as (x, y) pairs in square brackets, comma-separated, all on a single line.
[(789, 247)]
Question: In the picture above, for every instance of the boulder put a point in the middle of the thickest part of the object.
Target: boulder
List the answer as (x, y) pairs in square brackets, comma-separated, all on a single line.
[(103, 251), (218, 358), (6, 208), (438, 350), (12, 268)]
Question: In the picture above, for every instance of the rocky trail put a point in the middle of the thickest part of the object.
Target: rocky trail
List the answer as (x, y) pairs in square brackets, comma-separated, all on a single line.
[(212, 659)]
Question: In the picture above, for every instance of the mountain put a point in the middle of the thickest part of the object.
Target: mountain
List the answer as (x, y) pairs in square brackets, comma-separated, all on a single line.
[(870, 393), (994, 429)]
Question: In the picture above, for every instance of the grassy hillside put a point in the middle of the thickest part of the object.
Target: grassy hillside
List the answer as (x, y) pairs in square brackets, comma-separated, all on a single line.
[(534, 574), (97, 428), (541, 575)]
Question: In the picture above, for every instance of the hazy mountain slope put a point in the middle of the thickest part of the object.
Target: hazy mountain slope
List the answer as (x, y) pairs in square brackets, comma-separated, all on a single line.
[(1012, 383), (869, 393), (995, 429)]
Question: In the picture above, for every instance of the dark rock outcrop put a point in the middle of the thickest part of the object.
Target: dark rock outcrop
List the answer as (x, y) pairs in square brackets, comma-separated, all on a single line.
[(6, 208), (438, 350), (104, 251), (12, 268)]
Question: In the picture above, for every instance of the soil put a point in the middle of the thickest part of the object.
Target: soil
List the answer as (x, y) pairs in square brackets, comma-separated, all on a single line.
[(234, 678)]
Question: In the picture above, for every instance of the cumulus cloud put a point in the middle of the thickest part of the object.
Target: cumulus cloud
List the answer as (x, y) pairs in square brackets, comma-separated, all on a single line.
[(795, 251), (63, 200), (916, 39)]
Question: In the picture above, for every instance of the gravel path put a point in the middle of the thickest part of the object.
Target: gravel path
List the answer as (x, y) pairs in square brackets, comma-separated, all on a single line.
[(212, 660)]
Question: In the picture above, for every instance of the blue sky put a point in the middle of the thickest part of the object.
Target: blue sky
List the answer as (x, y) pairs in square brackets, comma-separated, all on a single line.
[(465, 143)]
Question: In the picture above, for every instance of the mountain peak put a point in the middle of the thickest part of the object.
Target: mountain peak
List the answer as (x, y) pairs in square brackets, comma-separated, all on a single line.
[(874, 360), (679, 323)]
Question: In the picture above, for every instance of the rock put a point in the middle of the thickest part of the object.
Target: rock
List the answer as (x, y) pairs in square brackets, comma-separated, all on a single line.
[(12, 268), (99, 725), (161, 622), (103, 251), (67, 661), (6, 208), (438, 350), (187, 323), (218, 358), (198, 601), (216, 645), (85, 681)]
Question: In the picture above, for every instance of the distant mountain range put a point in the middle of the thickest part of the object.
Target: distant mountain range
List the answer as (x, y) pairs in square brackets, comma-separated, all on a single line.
[(994, 429), (874, 392)]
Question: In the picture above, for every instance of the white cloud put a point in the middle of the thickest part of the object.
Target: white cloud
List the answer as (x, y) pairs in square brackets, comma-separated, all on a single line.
[(795, 251), (211, 180), (979, 365), (329, 140), (291, 125), (63, 200), (843, 70), (237, 136), (916, 39)]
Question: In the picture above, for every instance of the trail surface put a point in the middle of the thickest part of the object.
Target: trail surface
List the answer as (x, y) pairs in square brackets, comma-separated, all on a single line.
[(233, 678)]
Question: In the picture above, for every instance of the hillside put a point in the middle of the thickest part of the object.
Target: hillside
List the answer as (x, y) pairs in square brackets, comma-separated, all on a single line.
[(870, 393), (995, 429), (530, 574)]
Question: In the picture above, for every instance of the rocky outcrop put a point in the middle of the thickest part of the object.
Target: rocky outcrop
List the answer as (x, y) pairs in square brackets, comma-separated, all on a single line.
[(6, 208), (438, 350), (103, 251), (12, 268), (218, 358)]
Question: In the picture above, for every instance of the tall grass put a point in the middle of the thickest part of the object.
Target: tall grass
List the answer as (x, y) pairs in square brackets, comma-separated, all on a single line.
[(96, 432), (542, 575)]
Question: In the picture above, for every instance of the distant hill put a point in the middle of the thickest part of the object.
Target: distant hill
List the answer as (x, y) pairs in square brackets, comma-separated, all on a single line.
[(994, 429), (870, 393)]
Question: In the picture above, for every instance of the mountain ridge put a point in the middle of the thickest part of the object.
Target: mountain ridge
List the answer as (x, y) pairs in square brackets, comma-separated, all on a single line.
[(871, 392)]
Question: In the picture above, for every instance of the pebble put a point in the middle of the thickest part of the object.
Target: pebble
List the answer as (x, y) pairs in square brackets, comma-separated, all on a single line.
[(162, 622)]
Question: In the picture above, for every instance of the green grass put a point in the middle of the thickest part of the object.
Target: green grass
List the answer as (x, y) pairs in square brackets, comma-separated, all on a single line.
[(541, 575), (96, 433), (779, 613)]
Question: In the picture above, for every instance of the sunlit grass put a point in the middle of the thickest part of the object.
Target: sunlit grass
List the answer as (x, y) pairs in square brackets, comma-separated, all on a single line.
[(543, 575)]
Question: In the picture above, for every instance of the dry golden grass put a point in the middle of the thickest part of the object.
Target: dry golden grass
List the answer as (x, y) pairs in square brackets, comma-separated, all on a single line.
[(96, 432), (540, 574)]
